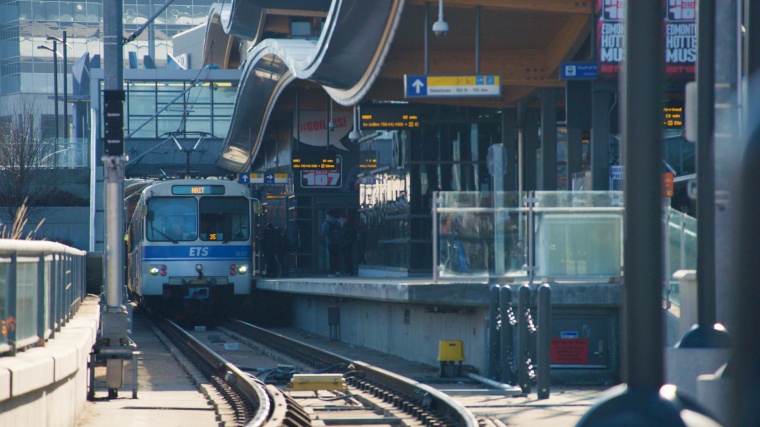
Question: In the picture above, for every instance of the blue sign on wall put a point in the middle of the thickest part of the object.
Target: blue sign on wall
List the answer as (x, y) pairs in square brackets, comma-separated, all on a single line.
[(578, 71)]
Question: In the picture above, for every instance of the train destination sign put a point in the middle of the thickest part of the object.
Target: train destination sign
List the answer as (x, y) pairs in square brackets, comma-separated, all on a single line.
[(451, 86), (313, 160), (197, 189), (387, 117)]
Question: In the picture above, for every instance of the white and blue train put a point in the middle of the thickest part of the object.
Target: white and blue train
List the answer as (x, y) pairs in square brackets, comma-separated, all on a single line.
[(191, 245)]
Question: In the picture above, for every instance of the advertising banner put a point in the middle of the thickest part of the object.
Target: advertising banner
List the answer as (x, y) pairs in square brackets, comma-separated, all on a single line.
[(680, 45)]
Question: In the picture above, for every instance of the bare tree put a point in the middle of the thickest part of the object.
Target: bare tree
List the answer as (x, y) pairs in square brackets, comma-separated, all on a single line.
[(26, 176)]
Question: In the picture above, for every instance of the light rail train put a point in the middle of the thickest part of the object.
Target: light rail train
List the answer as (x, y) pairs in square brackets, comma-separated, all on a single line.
[(190, 247)]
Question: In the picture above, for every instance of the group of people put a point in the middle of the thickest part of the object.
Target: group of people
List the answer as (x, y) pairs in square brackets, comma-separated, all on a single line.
[(274, 247), (339, 234)]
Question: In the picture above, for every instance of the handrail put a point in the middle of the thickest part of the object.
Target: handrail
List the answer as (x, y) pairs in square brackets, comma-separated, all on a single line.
[(46, 284)]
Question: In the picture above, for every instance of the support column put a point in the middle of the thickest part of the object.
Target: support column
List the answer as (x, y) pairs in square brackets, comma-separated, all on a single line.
[(548, 178), (530, 144), (601, 104), (509, 139), (578, 115)]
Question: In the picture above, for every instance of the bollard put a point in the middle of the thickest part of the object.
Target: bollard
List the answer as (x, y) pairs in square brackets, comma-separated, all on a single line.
[(507, 337), (493, 333), (543, 347), (523, 339)]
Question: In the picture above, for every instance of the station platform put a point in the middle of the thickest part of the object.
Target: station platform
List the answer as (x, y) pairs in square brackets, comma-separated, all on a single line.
[(423, 290)]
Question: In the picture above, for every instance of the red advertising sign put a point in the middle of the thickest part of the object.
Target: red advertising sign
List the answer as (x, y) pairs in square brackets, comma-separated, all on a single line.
[(681, 38), (320, 178), (569, 351), (679, 25)]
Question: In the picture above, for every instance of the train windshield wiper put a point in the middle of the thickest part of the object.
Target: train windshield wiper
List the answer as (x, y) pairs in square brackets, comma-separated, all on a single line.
[(164, 234)]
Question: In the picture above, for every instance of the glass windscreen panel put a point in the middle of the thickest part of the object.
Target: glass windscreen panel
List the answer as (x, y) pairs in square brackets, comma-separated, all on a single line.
[(225, 219), (172, 219)]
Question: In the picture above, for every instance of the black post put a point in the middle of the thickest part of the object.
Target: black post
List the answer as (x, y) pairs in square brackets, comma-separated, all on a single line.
[(493, 332), (507, 337), (641, 401), (743, 409), (65, 89), (55, 88), (543, 347), (523, 339), (705, 334)]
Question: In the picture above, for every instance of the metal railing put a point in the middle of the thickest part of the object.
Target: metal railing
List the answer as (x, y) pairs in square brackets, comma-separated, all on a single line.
[(534, 236), (540, 236), (66, 153), (42, 285), (681, 250)]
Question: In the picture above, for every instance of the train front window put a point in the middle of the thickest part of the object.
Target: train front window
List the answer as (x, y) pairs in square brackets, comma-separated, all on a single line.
[(225, 219), (172, 219)]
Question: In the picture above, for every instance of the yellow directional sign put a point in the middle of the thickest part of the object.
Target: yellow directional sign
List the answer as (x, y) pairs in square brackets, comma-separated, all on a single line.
[(451, 86)]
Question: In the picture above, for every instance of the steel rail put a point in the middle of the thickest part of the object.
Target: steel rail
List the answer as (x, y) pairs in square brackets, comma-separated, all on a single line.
[(429, 403)]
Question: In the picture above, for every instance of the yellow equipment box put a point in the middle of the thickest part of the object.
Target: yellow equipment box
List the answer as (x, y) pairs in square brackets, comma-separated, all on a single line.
[(450, 351), (316, 382)]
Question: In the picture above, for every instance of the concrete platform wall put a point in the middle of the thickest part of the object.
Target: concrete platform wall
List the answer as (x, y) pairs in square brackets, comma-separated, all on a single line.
[(47, 386), (409, 331)]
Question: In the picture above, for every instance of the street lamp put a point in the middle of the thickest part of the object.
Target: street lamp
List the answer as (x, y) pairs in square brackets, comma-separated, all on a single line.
[(55, 81), (65, 83)]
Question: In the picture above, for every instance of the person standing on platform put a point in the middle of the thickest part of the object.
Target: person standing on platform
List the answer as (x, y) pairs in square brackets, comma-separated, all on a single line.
[(283, 246), (269, 249), (347, 244), (332, 235)]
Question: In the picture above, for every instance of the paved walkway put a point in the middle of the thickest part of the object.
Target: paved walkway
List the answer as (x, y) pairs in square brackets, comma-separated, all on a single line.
[(166, 396)]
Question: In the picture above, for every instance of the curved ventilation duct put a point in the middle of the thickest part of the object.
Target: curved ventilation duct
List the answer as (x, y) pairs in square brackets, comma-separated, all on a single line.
[(345, 60)]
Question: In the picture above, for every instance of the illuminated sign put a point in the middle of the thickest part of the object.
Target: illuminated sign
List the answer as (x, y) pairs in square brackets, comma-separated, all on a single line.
[(183, 190), (385, 117), (313, 160), (367, 159), (673, 117), (451, 86), (323, 178)]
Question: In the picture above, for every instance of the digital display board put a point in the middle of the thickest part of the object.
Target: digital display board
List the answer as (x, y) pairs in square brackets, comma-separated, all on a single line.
[(673, 117), (313, 160), (367, 159), (388, 117), (183, 190)]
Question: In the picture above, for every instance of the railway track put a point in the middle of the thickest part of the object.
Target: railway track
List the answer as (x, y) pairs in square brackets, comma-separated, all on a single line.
[(318, 388)]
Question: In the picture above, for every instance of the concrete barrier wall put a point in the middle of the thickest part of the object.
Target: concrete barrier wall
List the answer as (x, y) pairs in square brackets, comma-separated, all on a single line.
[(409, 331), (47, 386)]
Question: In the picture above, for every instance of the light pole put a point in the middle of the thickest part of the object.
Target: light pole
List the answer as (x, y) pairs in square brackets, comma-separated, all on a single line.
[(65, 84), (55, 81)]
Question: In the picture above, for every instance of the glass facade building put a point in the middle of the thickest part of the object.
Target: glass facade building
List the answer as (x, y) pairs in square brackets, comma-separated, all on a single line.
[(25, 25)]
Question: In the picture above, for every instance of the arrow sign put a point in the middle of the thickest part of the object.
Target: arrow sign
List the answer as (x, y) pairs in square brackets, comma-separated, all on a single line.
[(244, 178), (418, 85), (452, 86)]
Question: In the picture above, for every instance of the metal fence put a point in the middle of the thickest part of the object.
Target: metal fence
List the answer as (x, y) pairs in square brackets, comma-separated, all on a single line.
[(540, 236), (66, 153), (531, 236), (42, 285)]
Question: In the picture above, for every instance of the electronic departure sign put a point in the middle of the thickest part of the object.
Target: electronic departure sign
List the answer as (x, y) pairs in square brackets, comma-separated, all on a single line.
[(388, 117), (367, 159), (313, 160), (183, 190), (673, 116)]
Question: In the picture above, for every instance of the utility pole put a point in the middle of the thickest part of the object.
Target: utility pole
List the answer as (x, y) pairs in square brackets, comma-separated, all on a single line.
[(114, 345)]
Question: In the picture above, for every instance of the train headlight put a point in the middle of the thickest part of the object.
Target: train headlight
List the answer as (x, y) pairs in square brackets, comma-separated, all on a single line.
[(198, 267), (242, 269), (153, 271)]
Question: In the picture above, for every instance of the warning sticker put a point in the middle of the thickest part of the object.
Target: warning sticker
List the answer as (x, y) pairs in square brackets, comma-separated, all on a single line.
[(569, 351)]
